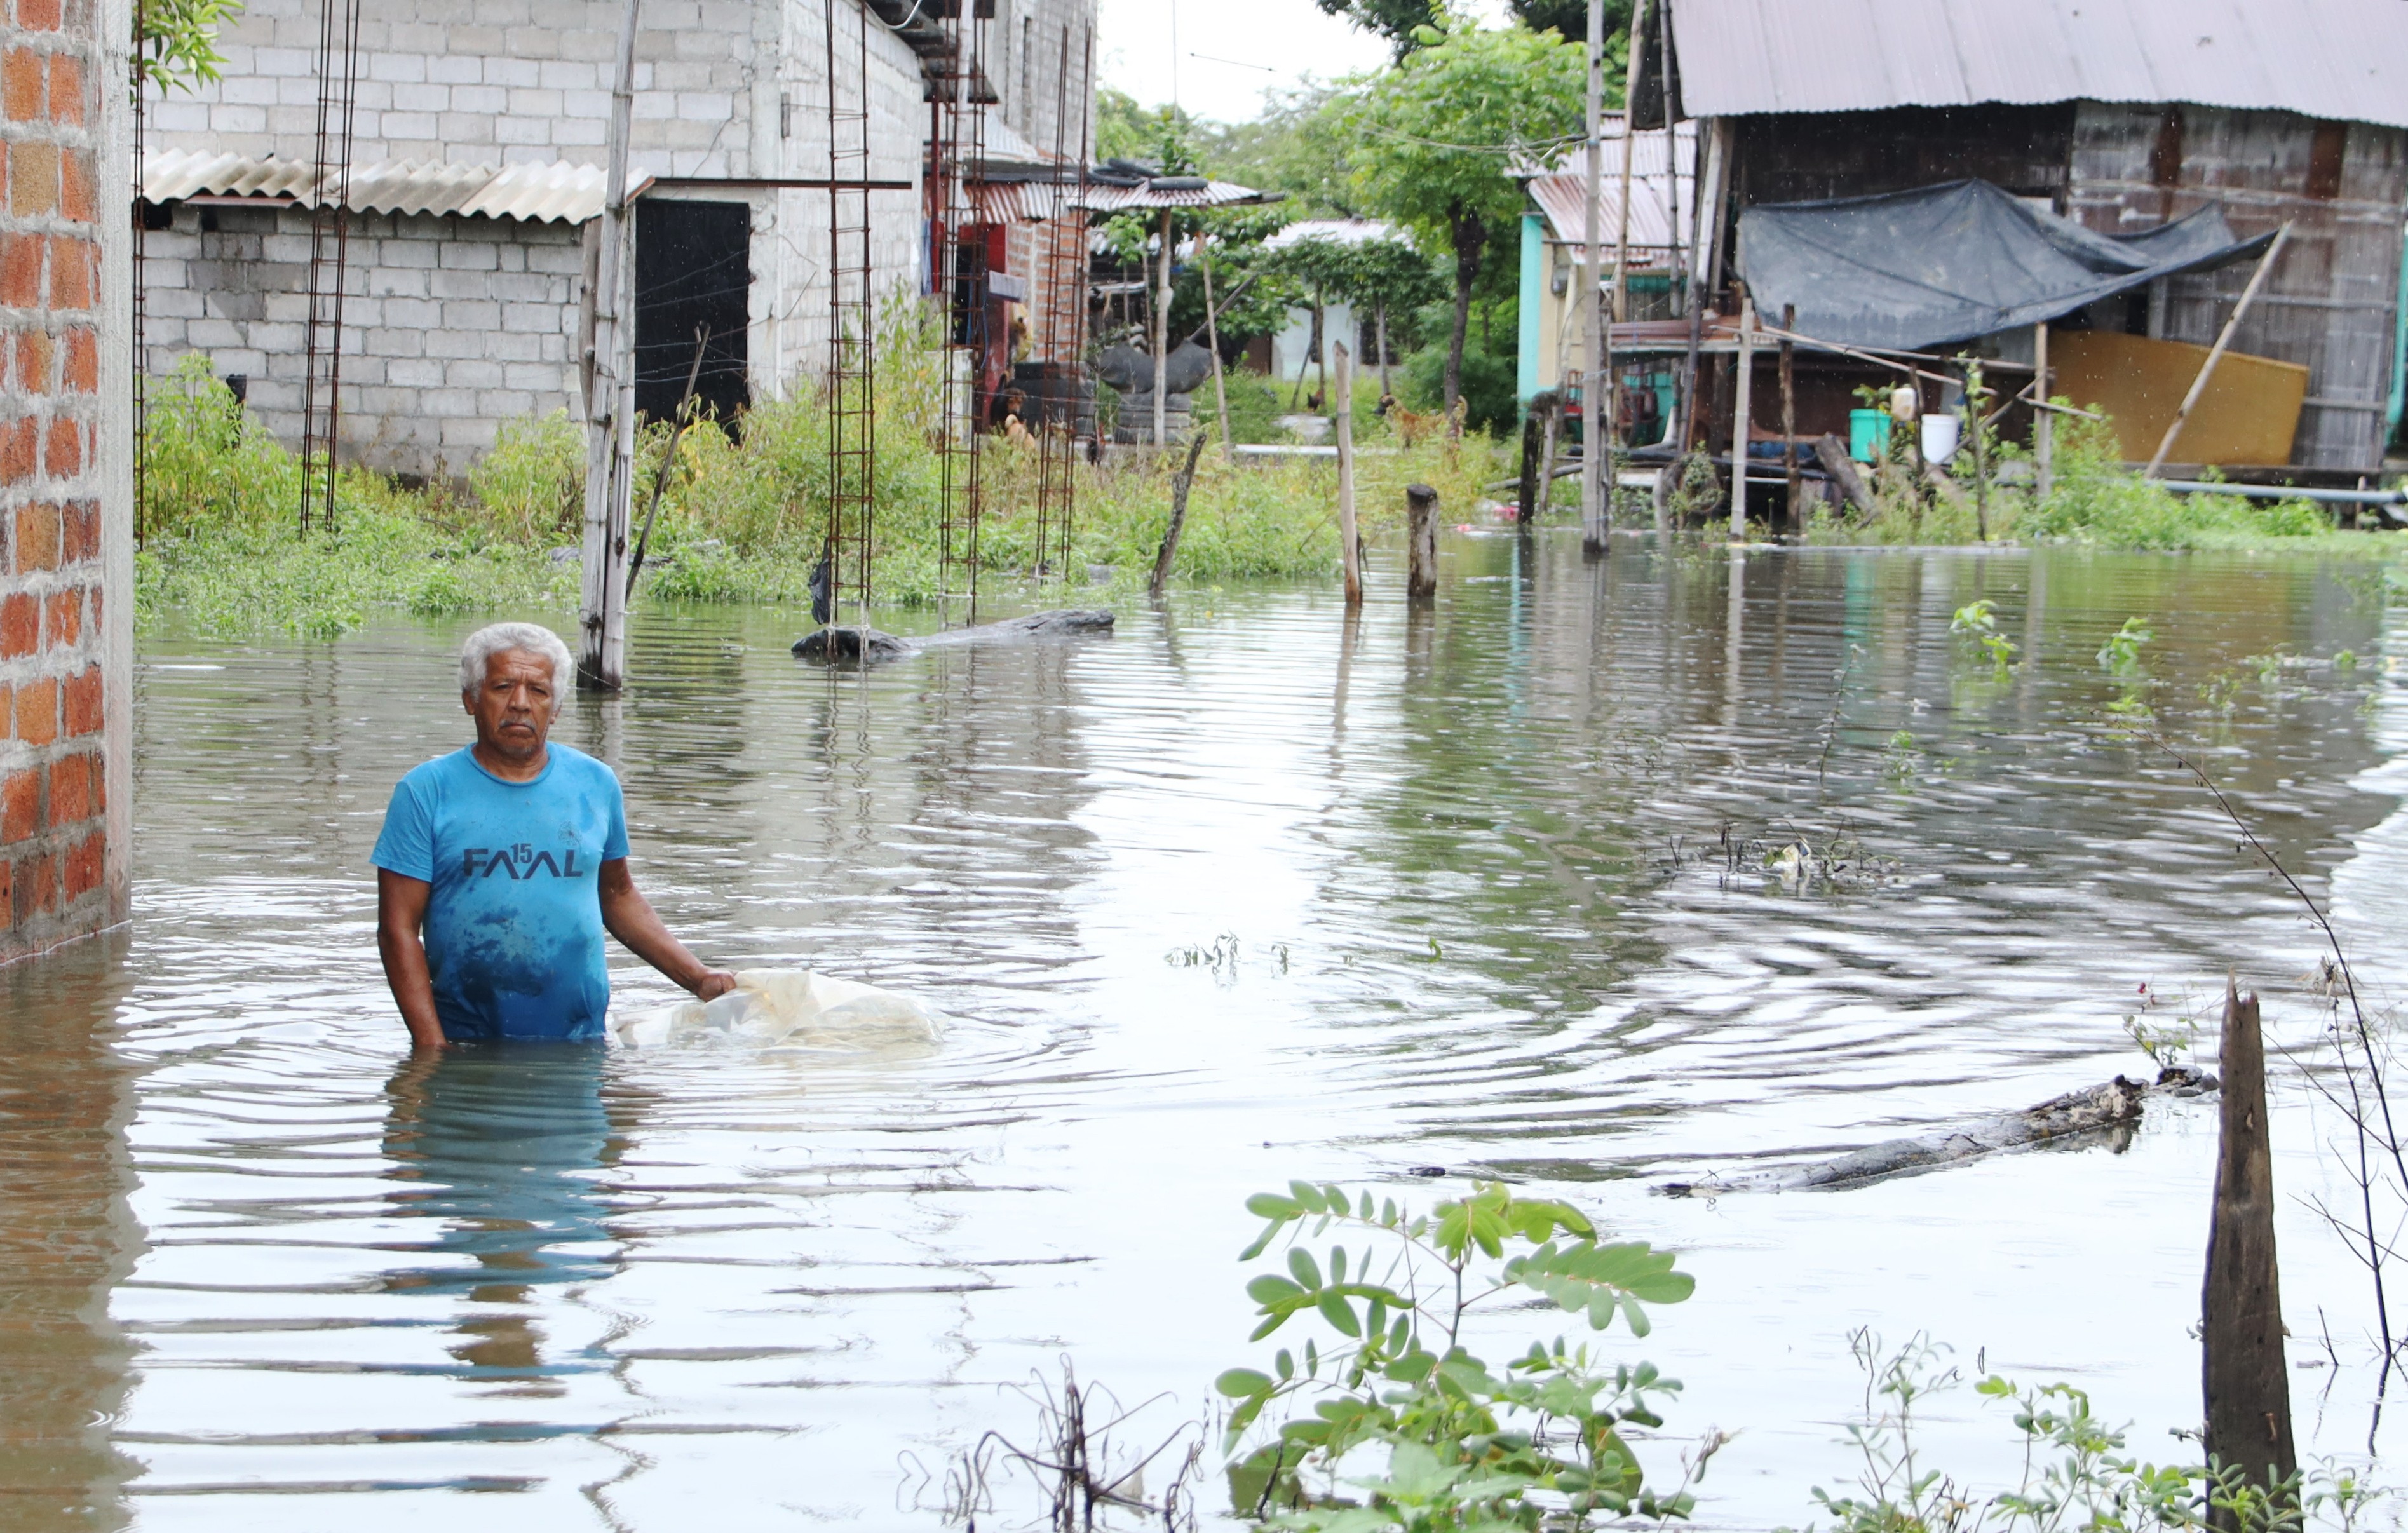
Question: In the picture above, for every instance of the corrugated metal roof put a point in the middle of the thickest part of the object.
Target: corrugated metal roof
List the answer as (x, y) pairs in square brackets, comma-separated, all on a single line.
[(1334, 231), (1116, 199), (565, 193), (1562, 194), (2342, 60)]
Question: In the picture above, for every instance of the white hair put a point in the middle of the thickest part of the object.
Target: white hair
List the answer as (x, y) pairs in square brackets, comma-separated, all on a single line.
[(477, 655)]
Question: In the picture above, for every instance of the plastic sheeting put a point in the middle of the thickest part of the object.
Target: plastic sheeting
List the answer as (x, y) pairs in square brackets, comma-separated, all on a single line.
[(1911, 269), (794, 1007)]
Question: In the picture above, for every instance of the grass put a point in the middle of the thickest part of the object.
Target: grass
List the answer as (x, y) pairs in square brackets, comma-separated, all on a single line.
[(2095, 501), (740, 519)]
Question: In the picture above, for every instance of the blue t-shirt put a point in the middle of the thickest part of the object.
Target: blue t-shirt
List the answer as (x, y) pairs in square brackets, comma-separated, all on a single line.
[(514, 924)]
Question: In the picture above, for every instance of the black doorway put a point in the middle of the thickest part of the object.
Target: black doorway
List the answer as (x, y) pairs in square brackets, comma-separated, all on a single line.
[(694, 266)]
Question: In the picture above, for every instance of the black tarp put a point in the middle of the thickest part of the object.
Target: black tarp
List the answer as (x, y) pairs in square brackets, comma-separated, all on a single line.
[(1907, 270)]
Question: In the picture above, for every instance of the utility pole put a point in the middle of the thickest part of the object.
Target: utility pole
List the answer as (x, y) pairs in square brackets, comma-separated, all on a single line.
[(611, 409), (1596, 425)]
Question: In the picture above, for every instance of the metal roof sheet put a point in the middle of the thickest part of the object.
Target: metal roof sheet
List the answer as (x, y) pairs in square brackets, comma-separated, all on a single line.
[(556, 191), (1655, 185), (1182, 193), (1334, 231), (2342, 60)]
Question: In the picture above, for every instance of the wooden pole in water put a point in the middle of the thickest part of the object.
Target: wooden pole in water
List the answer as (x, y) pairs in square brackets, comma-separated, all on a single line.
[(1790, 414), (2215, 353), (1169, 551), (2043, 421), (1349, 549), (2247, 1387), (610, 413), (1743, 390), (1597, 424), (1421, 543), (1532, 487)]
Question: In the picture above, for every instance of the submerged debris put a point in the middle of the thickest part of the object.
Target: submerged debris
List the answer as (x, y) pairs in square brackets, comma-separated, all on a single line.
[(2101, 1109), (863, 646)]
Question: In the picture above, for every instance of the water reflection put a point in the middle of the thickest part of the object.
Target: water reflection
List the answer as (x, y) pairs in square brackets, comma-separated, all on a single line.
[(1252, 890), (66, 1240)]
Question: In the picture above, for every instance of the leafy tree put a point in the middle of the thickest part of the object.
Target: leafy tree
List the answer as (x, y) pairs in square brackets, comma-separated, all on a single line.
[(1570, 18), (1434, 136), (176, 42), (1399, 20), (1383, 277), (1298, 144)]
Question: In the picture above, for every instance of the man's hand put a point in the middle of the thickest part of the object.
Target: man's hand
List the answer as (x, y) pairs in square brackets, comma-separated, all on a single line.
[(630, 918)]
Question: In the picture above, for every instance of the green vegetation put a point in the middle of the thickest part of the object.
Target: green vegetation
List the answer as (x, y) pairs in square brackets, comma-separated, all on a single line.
[(2094, 500), (1466, 1446), (176, 42), (2077, 1475), (740, 519)]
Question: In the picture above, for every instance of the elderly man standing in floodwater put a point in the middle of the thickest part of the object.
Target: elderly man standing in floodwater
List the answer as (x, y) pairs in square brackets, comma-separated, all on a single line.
[(502, 863)]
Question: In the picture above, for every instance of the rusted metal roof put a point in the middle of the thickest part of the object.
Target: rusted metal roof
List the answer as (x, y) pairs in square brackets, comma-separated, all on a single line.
[(1032, 201), (2341, 60), (569, 193), (1656, 188)]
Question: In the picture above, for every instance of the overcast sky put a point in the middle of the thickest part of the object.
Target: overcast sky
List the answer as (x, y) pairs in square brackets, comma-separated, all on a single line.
[(1228, 52)]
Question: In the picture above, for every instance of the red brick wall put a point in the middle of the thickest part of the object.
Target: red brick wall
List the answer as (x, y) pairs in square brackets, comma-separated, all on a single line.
[(55, 862)]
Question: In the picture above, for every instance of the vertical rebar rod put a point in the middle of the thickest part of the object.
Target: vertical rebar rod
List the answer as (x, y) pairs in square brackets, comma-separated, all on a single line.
[(852, 322), (140, 375)]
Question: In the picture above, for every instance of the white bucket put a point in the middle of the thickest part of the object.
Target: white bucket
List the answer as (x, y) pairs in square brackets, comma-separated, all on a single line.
[(1940, 438)]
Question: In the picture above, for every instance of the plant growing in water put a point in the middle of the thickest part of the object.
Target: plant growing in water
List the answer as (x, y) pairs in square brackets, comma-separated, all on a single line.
[(2121, 654), (1979, 623), (1443, 1439)]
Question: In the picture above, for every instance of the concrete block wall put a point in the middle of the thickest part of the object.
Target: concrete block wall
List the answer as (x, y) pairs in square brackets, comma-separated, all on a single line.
[(492, 82), (451, 326), (66, 570)]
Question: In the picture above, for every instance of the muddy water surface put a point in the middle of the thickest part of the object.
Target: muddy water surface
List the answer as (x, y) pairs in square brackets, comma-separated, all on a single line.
[(1243, 892)]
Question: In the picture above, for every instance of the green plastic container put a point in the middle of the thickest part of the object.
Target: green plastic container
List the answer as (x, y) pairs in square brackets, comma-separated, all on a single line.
[(1868, 433)]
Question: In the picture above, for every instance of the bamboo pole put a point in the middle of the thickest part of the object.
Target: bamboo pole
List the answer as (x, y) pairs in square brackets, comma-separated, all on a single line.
[(1744, 390), (1790, 414), (2223, 340), (2044, 423), (1596, 423), (1212, 338), (1349, 549), (1162, 344), (1629, 121), (611, 413)]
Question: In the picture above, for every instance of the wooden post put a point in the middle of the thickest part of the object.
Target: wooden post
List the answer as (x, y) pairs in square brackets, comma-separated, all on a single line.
[(1169, 551), (2248, 1393), (1743, 388), (1596, 423), (1212, 338), (1349, 549), (1551, 436), (1162, 344), (1532, 486), (2223, 340), (1630, 118), (2043, 421), (1980, 428), (1789, 415), (1380, 324), (611, 411), (1421, 543)]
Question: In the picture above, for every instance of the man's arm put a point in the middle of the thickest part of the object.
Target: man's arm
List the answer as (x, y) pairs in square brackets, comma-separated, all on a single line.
[(401, 915), (630, 919)]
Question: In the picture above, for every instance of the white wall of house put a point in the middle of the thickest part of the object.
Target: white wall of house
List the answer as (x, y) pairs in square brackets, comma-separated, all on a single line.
[(726, 91)]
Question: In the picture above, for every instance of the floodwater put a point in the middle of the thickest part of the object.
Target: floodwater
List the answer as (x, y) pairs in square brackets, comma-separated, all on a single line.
[(1243, 892)]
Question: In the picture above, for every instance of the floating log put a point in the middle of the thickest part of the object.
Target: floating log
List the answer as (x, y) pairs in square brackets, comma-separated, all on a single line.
[(851, 646), (2113, 1106)]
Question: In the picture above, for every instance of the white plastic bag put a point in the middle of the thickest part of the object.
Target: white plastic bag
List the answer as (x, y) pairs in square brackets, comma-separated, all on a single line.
[(793, 1007)]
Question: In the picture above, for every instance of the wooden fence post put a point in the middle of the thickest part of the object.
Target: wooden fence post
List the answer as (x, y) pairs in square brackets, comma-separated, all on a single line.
[(1532, 487), (1351, 549), (1421, 542), (2247, 1384)]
